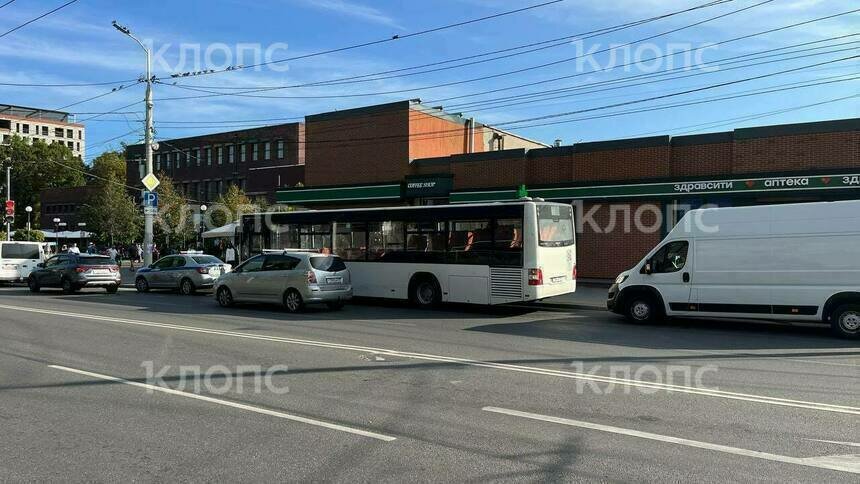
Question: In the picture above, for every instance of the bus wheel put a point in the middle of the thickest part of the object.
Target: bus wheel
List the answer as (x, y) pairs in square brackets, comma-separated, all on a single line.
[(425, 292), (845, 321), (640, 308)]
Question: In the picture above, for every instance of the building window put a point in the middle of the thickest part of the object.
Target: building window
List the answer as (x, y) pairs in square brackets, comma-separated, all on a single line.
[(255, 153), (157, 162), (26, 128), (267, 151), (207, 153), (230, 154), (77, 146), (70, 134), (80, 134), (280, 149), (243, 155), (219, 155), (195, 155), (44, 131), (58, 132)]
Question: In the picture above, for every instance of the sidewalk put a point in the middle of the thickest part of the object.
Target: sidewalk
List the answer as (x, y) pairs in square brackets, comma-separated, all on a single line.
[(587, 296)]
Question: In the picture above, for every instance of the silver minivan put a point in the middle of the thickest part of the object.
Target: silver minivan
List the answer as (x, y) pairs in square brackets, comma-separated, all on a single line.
[(291, 278)]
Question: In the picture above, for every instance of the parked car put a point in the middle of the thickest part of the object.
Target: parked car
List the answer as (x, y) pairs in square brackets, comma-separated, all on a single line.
[(186, 272), (293, 279), (18, 259), (72, 272), (793, 262)]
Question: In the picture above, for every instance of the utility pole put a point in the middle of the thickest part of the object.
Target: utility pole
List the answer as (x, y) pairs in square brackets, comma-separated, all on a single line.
[(148, 217), (8, 197)]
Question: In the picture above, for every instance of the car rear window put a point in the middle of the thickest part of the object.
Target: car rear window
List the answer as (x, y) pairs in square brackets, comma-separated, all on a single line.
[(94, 261), (329, 263), (206, 259), (19, 251)]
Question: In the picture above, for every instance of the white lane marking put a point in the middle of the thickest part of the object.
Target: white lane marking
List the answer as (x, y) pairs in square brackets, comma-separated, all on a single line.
[(765, 356), (850, 444), (836, 463), (227, 403), (466, 362)]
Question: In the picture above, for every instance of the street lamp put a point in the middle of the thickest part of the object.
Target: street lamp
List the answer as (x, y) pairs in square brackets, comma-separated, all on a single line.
[(202, 228), (147, 216), (57, 234), (28, 209)]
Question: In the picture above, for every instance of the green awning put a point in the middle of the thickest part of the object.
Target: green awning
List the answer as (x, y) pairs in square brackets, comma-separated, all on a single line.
[(339, 194)]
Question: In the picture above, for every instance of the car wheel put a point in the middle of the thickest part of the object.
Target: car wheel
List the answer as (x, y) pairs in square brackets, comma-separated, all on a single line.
[(225, 297), (335, 306), (293, 301), (845, 321), (186, 287), (426, 293), (641, 309), (112, 289), (32, 284), (141, 285), (68, 287)]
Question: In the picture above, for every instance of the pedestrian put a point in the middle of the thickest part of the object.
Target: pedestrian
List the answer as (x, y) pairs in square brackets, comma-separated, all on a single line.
[(133, 254), (91, 248), (113, 254), (230, 255), (65, 249), (74, 249), (155, 252)]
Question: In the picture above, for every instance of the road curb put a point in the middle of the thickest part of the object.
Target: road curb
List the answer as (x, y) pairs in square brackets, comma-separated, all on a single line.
[(561, 307)]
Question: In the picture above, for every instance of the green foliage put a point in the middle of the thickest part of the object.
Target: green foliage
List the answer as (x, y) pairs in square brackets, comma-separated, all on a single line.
[(111, 213), (31, 235), (175, 223), (107, 164), (38, 166), (230, 206)]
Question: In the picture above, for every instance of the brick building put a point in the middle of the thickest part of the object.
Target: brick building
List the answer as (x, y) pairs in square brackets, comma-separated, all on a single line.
[(65, 204), (384, 155), (259, 160)]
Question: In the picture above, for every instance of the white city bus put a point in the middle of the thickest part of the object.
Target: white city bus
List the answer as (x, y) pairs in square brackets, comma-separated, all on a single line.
[(472, 253), (18, 259)]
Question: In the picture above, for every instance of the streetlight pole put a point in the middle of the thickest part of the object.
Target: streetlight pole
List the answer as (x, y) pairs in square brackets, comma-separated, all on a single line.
[(147, 216), (57, 234), (29, 210), (8, 195), (202, 227)]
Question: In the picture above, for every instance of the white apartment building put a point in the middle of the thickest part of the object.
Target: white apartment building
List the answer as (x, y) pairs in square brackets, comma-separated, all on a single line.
[(41, 124)]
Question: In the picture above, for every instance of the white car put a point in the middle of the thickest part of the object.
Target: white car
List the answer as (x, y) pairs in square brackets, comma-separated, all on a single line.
[(18, 259)]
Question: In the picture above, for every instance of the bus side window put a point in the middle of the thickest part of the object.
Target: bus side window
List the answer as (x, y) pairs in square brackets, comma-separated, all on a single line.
[(385, 241), (508, 246), (469, 242), (351, 241)]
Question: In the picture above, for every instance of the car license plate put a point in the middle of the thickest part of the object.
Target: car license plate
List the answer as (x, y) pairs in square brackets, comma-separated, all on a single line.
[(334, 280), (215, 271), (100, 272), (556, 280)]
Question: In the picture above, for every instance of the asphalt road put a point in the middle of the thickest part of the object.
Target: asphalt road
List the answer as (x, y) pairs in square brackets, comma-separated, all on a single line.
[(389, 393)]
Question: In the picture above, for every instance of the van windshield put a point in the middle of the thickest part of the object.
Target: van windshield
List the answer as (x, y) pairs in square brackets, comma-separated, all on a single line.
[(555, 225), (19, 251)]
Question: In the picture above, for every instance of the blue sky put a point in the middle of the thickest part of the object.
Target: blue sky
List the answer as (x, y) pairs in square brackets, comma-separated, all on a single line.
[(78, 45)]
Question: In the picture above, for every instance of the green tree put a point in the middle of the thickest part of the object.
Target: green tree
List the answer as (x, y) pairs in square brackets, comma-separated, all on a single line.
[(175, 222), (107, 164), (38, 166), (31, 235), (111, 213), (230, 206)]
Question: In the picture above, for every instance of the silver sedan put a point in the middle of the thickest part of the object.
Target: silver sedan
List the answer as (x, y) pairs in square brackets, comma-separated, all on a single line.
[(291, 278), (184, 272)]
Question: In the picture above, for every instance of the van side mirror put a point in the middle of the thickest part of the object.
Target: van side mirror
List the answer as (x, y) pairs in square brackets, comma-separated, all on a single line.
[(41, 265), (647, 268)]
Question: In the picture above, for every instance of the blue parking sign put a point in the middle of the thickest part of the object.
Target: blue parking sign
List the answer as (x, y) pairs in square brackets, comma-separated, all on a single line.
[(150, 199)]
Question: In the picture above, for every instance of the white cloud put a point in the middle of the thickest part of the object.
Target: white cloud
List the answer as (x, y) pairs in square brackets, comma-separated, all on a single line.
[(353, 9)]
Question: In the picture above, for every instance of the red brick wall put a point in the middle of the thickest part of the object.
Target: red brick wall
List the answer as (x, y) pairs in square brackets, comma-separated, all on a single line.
[(701, 160), (336, 152), (603, 255), (432, 136), (503, 172), (621, 164), (797, 152)]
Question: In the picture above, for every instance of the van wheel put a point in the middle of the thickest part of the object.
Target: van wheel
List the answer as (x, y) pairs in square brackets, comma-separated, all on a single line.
[(186, 287), (641, 308), (425, 292), (225, 297), (32, 284), (845, 321), (293, 301)]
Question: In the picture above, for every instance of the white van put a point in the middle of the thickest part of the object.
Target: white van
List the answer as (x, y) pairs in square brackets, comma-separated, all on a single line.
[(797, 262), (18, 259)]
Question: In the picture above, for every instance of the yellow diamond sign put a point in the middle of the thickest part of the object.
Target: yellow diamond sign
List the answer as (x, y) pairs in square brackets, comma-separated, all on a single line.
[(150, 182)]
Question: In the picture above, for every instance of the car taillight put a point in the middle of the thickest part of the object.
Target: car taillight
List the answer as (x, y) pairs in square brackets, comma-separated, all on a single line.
[(82, 268), (535, 277), (312, 278), (574, 272), (114, 268), (203, 270)]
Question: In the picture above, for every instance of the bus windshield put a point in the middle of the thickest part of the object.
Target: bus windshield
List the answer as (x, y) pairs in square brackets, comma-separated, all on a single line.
[(19, 251), (555, 225)]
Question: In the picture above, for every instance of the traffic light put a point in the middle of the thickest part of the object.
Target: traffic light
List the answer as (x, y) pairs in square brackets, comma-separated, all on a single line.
[(10, 211)]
